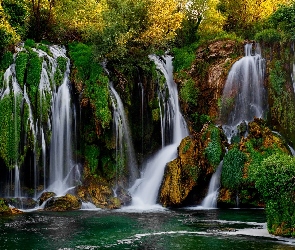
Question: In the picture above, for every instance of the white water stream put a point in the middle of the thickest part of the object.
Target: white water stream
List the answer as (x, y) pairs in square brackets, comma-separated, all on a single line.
[(244, 95), (145, 190)]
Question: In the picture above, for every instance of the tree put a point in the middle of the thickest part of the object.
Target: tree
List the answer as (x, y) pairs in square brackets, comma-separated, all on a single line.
[(241, 16), (8, 35)]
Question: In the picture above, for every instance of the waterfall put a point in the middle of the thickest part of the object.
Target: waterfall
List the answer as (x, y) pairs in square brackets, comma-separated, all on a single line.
[(210, 200), (145, 190), (123, 136), (44, 122), (62, 167), (244, 95)]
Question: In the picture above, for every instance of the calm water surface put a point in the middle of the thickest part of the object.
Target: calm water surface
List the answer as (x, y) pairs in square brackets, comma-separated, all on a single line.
[(127, 229)]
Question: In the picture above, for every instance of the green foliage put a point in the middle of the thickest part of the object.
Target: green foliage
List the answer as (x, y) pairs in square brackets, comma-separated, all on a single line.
[(96, 83), (275, 181), (30, 43), (60, 71), (283, 19), (33, 74), (10, 129), (189, 92), (186, 147), (232, 170), (17, 13), (91, 155), (277, 78), (20, 67), (184, 57), (268, 36), (5, 62), (213, 151)]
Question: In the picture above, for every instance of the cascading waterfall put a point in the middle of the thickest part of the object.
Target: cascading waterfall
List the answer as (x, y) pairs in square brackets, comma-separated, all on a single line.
[(145, 190), (244, 95), (210, 200), (243, 99), (123, 136), (64, 172), (46, 122)]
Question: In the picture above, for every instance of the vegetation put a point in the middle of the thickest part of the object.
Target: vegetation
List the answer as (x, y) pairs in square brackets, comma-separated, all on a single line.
[(275, 180)]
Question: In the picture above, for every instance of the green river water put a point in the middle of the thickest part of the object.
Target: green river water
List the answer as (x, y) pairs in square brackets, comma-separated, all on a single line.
[(130, 229)]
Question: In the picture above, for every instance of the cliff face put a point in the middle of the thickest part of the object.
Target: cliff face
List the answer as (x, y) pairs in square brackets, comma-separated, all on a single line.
[(187, 177), (208, 72)]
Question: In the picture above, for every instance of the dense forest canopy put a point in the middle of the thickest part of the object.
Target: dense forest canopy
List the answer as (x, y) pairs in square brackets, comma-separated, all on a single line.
[(118, 27)]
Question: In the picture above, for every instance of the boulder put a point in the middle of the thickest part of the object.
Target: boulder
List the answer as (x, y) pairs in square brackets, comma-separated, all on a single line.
[(63, 203)]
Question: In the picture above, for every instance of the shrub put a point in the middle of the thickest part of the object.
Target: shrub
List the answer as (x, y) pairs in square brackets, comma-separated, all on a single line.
[(213, 151), (189, 92), (232, 170), (268, 36), (275, 181)]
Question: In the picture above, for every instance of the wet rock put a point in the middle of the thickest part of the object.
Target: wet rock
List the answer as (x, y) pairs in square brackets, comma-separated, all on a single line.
[(189, 172), (124, 196), (5, 210), (63, 203), (45, 196), (99, 192), (23, 203)]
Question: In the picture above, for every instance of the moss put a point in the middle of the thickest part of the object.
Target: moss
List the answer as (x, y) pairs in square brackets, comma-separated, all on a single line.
[(213, 151), (33, 75), (20, 67)]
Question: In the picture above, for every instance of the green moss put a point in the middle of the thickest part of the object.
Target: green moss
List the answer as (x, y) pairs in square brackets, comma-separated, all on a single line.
[(33, 75), (91, 156), (30, 43), (213, 151), (96, 83), (20, 67), (10, 129)]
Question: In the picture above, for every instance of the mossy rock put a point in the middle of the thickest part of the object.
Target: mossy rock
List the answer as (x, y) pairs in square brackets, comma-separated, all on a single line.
[(45, 196), (5, 210), (187, 177), (99, 192), (63, 203)]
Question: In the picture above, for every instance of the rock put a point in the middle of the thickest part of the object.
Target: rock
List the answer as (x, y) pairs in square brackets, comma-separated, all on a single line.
[(99, 192), (45, 196), (63, 203), (23, 203), (124, 196), (189, 172), (5, 210)]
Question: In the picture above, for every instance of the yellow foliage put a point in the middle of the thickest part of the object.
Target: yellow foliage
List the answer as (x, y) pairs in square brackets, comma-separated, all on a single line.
[(164, 18), (85, 16), (6, 27), (212, 21)]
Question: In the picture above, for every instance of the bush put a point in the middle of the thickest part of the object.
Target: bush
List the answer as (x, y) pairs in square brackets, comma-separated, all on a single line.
[(268, 36), (275, 181), (232, 170), (189, 92), (184, 57), (213, 151)]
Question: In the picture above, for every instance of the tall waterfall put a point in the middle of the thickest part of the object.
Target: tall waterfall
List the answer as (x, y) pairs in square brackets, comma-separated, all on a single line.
[(123, 136), (244, 95), (145, 190), (42, 121)]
